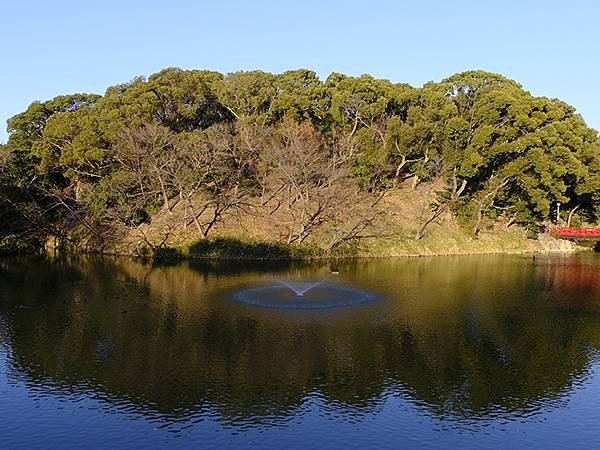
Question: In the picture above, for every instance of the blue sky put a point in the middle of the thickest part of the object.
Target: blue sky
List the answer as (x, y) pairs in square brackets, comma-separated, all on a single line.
[(56, 47)]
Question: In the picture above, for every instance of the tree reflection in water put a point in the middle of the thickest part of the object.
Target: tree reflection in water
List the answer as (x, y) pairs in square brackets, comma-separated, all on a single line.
[(465, 338)]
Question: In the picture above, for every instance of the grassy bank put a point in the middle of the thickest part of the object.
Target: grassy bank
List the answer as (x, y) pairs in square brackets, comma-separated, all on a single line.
[(441, 241), (260, 236), (256, 236)]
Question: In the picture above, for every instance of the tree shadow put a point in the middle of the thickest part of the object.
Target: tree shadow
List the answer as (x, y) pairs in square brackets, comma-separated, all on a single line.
[(228, 255), (228, 248)]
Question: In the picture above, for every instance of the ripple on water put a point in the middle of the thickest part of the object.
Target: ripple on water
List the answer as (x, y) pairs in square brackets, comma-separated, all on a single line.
[(319, 296)]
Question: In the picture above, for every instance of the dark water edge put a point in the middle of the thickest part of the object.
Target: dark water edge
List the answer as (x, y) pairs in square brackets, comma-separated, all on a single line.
[(221, 249), (463, 352)]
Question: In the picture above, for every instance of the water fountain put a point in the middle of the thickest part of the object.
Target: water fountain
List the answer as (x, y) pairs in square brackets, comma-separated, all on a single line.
[(299, 287), (303, 294)]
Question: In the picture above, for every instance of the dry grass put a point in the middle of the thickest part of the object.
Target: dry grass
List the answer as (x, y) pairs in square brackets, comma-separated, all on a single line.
[(258, 234)]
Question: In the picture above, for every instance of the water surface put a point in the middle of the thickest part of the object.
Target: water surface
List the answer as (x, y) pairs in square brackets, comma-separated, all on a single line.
[(459, 352)]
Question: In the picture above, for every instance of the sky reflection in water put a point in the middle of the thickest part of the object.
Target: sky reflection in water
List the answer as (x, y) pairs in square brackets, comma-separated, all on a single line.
[(463, 352)]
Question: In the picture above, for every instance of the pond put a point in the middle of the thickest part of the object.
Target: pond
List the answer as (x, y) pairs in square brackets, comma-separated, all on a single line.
[(445, 352)]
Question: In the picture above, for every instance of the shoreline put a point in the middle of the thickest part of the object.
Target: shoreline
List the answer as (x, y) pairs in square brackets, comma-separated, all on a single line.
[(307, 259), (228, 248)]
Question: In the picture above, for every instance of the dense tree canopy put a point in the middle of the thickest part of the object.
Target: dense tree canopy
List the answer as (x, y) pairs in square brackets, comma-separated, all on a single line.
[(221, 144)]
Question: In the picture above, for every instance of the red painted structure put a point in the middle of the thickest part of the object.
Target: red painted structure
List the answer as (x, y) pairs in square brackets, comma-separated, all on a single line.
[(575, 233)]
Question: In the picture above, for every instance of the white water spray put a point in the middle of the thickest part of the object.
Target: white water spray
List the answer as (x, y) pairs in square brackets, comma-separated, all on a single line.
[(299, 288)]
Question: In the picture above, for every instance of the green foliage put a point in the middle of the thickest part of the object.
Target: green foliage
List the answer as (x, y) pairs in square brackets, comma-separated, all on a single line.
[(500, 152), (300, 96), (248, 95)]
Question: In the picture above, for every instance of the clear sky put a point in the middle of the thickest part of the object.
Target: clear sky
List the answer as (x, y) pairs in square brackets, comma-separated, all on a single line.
[(56, 47)]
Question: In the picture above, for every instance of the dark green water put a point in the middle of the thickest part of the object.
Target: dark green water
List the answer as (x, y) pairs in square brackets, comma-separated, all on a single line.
[(464, 352)]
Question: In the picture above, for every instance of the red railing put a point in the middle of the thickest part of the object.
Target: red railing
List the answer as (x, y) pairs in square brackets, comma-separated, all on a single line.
[(571, 232)]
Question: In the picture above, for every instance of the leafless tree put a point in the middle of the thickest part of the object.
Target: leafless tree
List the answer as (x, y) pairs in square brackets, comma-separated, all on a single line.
[(213, 176), (308, 177), (149, 152), (358, 225)]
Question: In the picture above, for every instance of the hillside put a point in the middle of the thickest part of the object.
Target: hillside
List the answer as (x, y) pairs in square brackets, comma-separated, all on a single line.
[(286, 165), (260, 236)]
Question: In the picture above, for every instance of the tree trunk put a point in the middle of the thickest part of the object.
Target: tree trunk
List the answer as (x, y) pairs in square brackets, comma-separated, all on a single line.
[(164, 193), (487, 200), (78, 189), (421, 230), (571, 215)]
